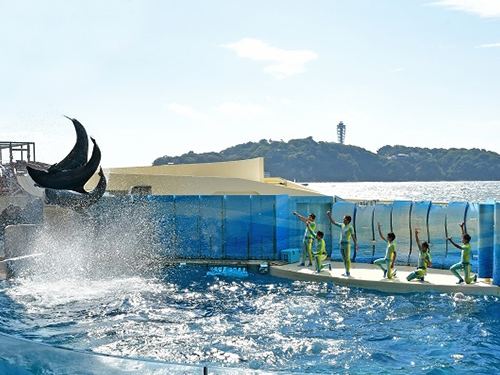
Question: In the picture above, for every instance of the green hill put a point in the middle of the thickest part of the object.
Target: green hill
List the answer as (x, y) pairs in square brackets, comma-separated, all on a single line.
[(308, 160)]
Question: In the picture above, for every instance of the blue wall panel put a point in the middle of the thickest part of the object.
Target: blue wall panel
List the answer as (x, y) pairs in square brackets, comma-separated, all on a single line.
[(401, 211), (472, 225), (237, 227), (338, 211), (496, 246), (382, 214), (263, 224), (283, 224), (418, 219), (162, 213), (297, 227), (304, 206), (436, 226), (455, 214), (187, 225), (260, 227), (365, 234), (211, 215), (486, 240), (110, 207)]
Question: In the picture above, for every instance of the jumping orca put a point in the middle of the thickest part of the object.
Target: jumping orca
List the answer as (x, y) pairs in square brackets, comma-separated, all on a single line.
[(73, 179), (77, 157), (75, 200)]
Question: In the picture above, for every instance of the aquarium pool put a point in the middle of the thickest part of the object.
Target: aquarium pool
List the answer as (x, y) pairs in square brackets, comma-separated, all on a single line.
[(257, 322)]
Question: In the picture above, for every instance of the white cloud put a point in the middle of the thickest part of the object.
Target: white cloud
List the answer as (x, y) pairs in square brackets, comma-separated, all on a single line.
[(493, 45), (282, 101), (284, 62), (185, 110), (397, 70), (482, 8), (231, 108)]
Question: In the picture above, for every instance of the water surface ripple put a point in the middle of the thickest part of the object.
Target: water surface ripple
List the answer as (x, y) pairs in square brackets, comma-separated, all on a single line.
[(258, 322)]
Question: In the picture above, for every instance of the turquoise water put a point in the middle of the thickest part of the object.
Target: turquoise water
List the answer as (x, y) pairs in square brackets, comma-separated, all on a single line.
[(260, 322)]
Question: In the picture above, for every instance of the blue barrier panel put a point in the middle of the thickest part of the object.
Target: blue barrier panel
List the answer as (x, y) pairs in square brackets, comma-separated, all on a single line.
[(283, 224), (163, 217), (296, 227), (486, 240), (123, 221), (211, 216), (236, 231), (262, 226), (382, 214), (455, 214), (108, 208), (472, 225), (304, 206), (338, 211), (496, 246), (401, 211), (187, 228), (418, 219), (365, 234), (321, 205), (436, 226)]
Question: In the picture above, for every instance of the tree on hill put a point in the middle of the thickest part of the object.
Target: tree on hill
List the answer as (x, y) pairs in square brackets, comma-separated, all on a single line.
[(308, 160)]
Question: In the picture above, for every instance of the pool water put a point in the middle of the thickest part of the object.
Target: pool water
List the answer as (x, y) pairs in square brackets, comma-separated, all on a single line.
[(184, 315)]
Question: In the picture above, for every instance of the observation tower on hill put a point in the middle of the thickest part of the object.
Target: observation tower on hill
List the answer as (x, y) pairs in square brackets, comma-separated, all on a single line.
[(341, 132)]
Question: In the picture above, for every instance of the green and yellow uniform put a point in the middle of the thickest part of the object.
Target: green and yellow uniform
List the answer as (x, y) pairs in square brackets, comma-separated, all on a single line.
[(424, 259), (464, 264), (346, 232), (390, 253), (307, 243)]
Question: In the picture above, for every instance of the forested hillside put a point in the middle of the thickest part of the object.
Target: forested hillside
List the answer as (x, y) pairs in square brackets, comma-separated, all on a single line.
[(308, 160)]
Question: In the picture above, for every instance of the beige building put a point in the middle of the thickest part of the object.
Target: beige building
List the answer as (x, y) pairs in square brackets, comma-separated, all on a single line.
[(243, 177)]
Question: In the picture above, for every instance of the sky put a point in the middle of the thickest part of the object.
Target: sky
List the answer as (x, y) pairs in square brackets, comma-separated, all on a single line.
[(162, 77)]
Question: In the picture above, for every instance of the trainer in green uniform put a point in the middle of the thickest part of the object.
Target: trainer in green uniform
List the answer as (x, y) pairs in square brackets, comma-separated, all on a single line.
[(308, 239), (424, 260), (320, 253), (465, 258), (390, 254), (346, 233)]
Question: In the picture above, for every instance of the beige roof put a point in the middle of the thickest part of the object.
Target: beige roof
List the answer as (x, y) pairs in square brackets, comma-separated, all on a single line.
[(242, 177)]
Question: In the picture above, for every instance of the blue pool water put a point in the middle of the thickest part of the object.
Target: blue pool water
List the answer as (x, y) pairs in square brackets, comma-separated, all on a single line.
[(103, 302), (183, 315)]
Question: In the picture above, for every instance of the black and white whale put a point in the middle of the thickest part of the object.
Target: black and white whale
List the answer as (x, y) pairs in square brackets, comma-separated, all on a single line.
[(78, 155), (71, 179), (76, 200)]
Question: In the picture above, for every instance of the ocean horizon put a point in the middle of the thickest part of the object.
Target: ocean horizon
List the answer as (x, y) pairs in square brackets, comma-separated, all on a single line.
[(435, 191)]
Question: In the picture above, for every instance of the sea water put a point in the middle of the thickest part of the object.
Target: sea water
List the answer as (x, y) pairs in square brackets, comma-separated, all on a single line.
[(439, 192), (192, 315)]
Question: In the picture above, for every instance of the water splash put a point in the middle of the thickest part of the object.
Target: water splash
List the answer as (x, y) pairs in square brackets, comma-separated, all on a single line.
[(103, 243)]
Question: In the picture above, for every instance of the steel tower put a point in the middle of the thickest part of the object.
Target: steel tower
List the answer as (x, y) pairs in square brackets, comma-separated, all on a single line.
[(341, 132)]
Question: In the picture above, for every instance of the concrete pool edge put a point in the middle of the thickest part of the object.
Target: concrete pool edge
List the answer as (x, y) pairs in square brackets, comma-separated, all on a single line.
[(368, 276), (363, 275)]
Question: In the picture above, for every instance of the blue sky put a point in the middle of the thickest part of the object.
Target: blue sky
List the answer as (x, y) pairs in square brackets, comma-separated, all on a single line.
[(153, 78)]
